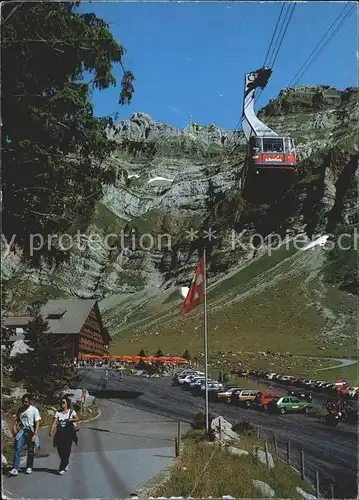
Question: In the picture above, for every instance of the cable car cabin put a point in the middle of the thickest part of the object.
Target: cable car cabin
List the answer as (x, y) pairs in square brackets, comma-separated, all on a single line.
[(272, 152)]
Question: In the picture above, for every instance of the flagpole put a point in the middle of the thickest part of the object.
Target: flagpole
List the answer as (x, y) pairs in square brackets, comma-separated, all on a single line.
[(205, 340)]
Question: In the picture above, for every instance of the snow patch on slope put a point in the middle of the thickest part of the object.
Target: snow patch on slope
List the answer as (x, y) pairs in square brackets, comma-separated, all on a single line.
[(319, 241)]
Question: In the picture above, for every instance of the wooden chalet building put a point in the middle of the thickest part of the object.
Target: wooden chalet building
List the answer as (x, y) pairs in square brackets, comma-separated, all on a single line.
[(78, 321)]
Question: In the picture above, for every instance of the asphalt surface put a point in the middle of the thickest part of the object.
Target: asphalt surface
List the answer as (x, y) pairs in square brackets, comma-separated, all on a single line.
[(331, 452), (117, 453)]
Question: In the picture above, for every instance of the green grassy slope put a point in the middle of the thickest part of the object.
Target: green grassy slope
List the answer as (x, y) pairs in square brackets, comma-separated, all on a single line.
[(278, 302)]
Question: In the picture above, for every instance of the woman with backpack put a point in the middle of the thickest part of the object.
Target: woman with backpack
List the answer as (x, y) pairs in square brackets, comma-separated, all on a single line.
[(66, 428)]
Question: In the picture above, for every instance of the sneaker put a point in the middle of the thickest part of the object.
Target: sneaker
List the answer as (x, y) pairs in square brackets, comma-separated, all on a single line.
[(61, 472), (28, 470), (14, 472), (66, 468)]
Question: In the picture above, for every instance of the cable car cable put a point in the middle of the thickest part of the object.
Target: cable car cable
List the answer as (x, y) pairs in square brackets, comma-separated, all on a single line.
[(294, 79), (325, 45), (318, 44), (276, 47), (285, 31), (279, 42), (276, 43), (279, 39), (271, 42), (274, 32), (282, 33), (339, 22)]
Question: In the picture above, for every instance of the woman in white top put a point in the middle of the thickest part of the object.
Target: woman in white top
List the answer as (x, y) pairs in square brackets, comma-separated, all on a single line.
[(65, 432)]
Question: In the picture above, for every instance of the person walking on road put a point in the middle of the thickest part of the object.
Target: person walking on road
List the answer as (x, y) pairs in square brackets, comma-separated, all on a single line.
[(65, 432), (25, 431)]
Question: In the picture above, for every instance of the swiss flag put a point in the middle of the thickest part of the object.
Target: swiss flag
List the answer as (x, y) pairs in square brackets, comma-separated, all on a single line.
[(196, 290), (339, 382)]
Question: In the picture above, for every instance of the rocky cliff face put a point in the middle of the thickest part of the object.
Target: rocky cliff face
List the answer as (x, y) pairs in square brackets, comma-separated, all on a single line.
[(205, 170)]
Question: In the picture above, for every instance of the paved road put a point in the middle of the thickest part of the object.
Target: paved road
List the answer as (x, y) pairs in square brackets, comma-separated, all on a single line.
[(117, 453), (342, 363), (333, 452)]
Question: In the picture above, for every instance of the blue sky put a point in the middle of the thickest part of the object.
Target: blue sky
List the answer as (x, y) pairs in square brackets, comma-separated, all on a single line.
[(191, 57)]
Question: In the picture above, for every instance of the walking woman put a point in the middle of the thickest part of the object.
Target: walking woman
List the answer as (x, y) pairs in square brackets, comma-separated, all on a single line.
[(65, 432)]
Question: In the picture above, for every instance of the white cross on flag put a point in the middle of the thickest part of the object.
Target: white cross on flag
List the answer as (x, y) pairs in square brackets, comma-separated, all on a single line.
[(195, 292), (339, 382)]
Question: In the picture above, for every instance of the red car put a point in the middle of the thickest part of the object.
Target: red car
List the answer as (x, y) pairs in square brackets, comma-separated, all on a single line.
[(263, 398)]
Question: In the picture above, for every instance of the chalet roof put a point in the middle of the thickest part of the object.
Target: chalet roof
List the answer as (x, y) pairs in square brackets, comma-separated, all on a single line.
[(71, 314)]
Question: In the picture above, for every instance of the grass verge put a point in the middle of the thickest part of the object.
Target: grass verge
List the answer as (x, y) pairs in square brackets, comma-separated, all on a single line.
[(204, 471)]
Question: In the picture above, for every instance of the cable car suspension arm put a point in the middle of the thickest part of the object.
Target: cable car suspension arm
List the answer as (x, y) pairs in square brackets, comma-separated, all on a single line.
[(251, 124)]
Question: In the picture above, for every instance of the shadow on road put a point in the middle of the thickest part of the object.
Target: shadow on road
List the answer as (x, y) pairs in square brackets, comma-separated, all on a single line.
[(140, 436), (41, 454), (114, 394), (6, 470), (97, 429), (163, 413)]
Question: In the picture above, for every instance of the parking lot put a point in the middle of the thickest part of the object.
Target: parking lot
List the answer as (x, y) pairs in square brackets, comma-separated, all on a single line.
[(332, 452)]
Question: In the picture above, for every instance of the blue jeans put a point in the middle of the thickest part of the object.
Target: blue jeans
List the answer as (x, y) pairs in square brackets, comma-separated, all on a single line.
[(18, 446)]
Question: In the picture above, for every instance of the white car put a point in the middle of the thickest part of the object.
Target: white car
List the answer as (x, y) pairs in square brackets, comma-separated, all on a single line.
[(187, 371), (197, 381), (196, 384), (185, 379), (308, 382), (212, 386), (351, 390), (319, 383), (189, 378), (190, 372), (226, 393)]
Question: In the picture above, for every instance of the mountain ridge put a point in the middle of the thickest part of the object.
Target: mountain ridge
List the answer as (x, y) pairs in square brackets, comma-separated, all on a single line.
[(206, 170)]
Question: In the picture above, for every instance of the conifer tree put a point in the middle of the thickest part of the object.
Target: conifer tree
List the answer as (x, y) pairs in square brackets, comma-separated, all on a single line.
[(45, 370), (54, 148), (186, 355)]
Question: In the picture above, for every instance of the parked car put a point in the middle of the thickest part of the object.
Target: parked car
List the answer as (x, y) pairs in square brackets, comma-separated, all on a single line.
[(242, 397), (350, 390), (303, 396), (189, 378), (308, 383), (263, 398), (285, 379), (194, 382), (319, 383), (212, 387), (183, 373), (197, 383), (226, 392), (288, 404)]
